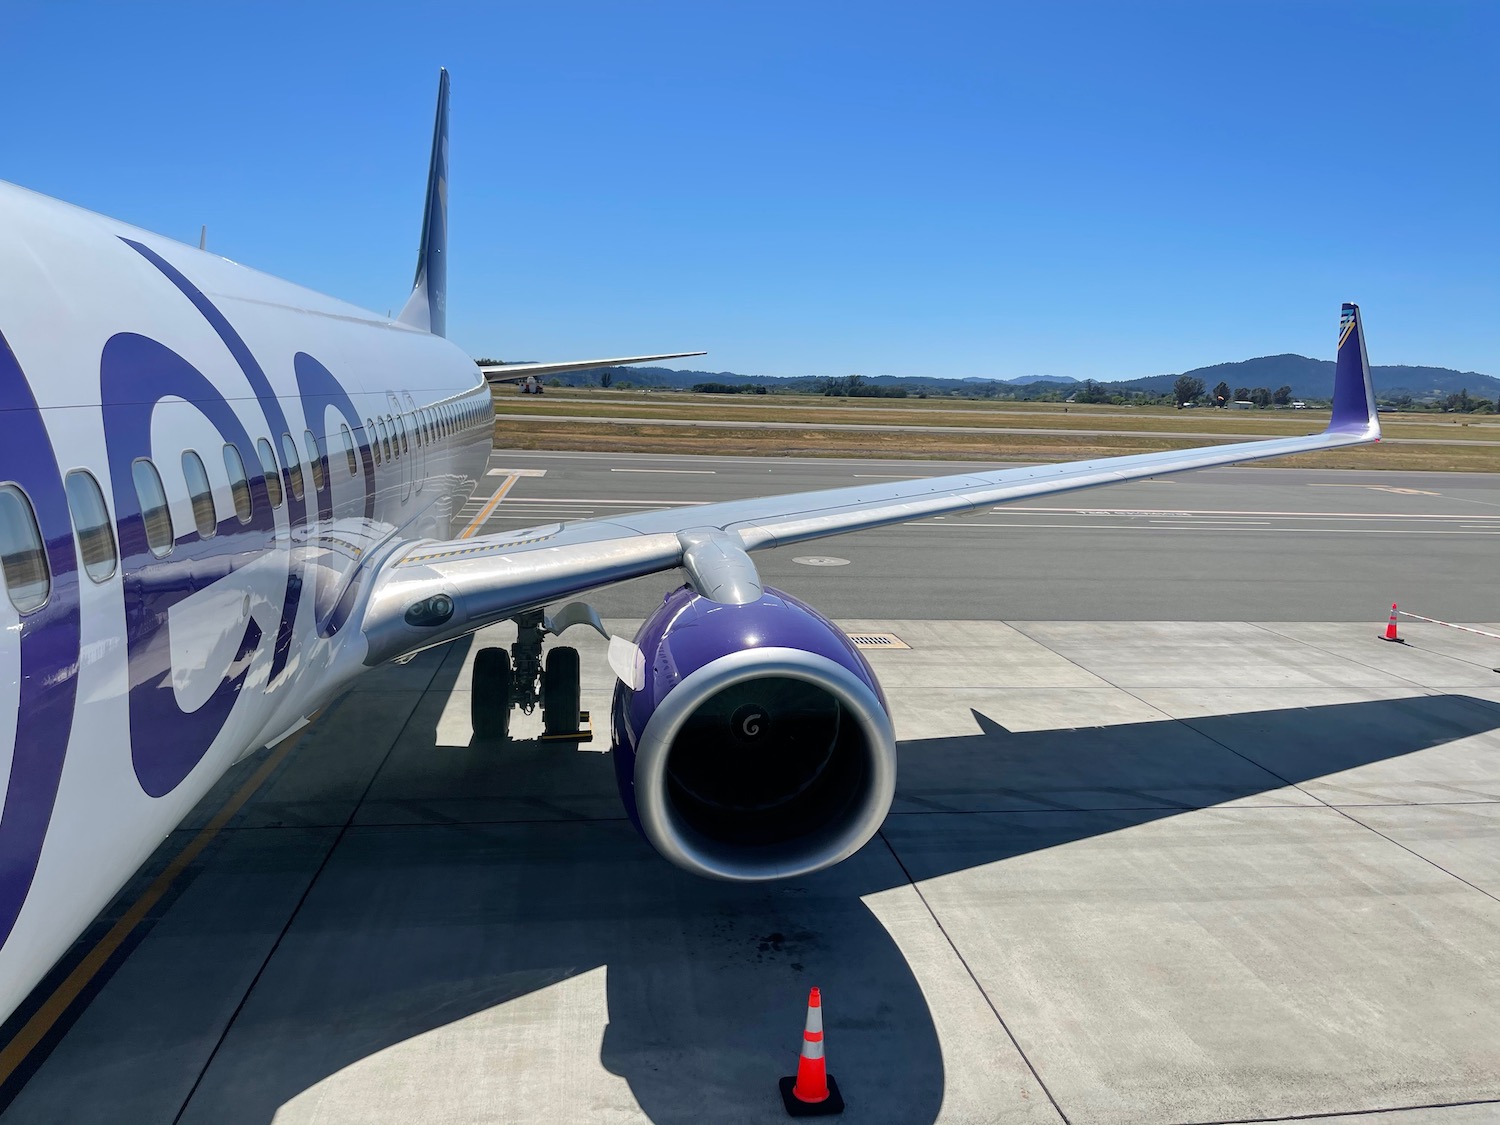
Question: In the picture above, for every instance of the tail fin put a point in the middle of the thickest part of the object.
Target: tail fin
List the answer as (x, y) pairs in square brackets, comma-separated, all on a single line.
[(1353, 393), (427, 307)]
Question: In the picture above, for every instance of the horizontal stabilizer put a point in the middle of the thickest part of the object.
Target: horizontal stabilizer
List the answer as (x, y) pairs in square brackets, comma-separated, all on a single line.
[(515, 372)]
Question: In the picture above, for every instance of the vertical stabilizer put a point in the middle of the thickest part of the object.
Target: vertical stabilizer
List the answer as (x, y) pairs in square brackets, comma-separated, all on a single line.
[(1353, 393), (427, 307)]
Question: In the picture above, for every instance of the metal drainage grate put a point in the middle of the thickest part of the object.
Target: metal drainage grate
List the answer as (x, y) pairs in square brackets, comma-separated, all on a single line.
[(877, 640)]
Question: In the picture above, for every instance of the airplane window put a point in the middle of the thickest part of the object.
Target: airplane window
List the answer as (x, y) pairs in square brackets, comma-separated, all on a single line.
[(401, 425), (239, 487), (154, 513), (374, 440), (270, 470), (385, 438), (395, 436), (293, 464), (200, 493), (96, 539), (314, 459), (28, 581), (349, 449)]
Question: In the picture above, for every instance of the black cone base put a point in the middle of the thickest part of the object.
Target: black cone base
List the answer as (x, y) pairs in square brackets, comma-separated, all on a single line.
[(833, 1103)]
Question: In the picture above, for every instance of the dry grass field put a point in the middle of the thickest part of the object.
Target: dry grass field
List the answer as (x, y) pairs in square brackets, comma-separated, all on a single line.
[(797, 425)]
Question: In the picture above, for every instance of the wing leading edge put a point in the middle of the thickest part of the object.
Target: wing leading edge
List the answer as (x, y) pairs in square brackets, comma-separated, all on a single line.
[(491, 578)]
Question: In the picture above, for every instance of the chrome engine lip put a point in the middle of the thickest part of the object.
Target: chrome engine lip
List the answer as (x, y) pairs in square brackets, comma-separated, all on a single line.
[(662, 826)]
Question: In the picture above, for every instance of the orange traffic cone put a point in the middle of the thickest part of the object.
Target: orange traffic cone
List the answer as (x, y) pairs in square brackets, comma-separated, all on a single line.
[(1390, 628), (812, 1093)]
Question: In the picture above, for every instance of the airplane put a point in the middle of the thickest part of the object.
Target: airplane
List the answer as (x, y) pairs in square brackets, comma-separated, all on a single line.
[(224, 498)]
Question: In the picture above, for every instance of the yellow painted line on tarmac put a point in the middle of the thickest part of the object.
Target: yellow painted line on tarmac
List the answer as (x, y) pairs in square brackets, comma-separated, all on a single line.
[(14, 1053), (485, 512)]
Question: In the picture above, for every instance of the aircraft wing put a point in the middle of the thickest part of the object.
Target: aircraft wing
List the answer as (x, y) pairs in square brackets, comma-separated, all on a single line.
[(430, 591), (515, 372)]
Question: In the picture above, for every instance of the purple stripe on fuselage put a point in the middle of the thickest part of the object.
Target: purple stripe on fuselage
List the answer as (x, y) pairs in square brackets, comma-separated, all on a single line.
[(135, 374), (320, 390), (275, 416), (49, 645)]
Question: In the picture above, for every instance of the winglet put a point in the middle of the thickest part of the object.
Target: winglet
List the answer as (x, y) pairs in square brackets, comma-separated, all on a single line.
[(427, 307), (1353, 394)]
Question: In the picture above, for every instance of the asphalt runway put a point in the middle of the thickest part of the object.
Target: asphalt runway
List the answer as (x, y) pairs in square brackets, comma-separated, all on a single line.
[(1196, 869), (1259, 544)]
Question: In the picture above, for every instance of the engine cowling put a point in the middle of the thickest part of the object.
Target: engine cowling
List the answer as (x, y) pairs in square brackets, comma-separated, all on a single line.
[(760, 746)]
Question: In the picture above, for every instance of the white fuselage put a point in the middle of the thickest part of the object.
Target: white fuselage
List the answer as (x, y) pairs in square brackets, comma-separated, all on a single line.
[(125, 696)]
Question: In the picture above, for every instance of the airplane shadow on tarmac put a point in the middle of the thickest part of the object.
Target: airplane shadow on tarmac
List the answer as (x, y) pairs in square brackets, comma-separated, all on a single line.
[(507, 870)]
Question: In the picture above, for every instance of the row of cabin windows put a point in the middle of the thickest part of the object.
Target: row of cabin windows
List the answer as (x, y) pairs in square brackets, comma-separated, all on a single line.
[(23, 557), (391, 437)]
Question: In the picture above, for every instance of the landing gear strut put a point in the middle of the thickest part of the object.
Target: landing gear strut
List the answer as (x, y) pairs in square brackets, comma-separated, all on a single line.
[(519, 678)]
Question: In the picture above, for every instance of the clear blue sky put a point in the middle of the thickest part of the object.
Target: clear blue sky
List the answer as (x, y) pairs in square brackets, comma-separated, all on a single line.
[(1096, 190)]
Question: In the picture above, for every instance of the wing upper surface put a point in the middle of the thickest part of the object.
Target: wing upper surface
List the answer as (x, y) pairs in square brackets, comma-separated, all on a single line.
[(514, 372), (492, 577)]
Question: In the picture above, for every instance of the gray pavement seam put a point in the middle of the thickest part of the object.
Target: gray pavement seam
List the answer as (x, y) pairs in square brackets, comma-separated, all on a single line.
[(1325, 804), (291, 918), (1385, 671), (1285, 781), (988, 999), (1324, 1115)]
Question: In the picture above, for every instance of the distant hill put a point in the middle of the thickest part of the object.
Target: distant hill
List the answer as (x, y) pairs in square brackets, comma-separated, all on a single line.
[(1313, 378), (1308, 378)]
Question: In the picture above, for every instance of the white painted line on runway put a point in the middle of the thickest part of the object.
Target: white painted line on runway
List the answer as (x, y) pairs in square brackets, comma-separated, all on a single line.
[(1377, 488), (676, 472), (1018, 509), (896, 476), (516, 473)]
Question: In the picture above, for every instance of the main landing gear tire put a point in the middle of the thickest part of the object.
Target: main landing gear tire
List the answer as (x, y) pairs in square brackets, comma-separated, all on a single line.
[(561, 692), (489, 697)]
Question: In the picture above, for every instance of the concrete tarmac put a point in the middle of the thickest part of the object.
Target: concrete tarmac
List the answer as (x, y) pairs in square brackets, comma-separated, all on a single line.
[(1138, 870)]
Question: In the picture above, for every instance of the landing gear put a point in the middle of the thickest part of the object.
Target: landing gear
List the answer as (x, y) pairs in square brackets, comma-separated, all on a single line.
[(560, 692), (518, 678), (490, 697)]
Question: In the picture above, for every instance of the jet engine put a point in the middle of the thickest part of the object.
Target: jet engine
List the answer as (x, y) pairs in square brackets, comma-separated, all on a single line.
[(756, 743)]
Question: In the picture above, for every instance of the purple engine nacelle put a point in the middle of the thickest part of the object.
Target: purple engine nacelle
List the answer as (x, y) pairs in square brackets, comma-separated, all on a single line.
[(759, 746)]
